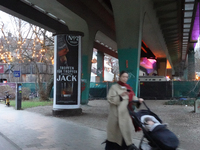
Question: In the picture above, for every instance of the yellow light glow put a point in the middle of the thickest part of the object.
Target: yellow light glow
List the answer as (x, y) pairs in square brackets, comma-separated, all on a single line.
[(197, 77), (168, 65)]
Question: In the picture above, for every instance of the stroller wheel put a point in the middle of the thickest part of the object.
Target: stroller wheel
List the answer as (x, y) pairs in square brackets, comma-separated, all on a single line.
[(132, 147)]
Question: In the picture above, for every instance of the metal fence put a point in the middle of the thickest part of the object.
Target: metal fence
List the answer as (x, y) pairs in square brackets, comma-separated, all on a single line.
[(147, 90), (99, 90), (159, 90)]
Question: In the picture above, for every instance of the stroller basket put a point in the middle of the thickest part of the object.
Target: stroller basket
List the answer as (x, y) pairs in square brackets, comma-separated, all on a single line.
[(160, 138)]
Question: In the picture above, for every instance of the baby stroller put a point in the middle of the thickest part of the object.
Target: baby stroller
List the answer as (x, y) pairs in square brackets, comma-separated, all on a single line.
[(157, 135)]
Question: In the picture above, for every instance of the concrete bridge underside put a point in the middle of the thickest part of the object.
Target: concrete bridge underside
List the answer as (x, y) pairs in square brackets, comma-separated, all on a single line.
[(114, 24)]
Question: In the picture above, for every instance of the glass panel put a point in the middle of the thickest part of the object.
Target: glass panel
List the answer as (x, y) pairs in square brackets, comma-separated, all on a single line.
[(189, 0), (186, 37), (188, 14), (187, 20), (186, 26), (186, 30), (189, 6), (185, 33)]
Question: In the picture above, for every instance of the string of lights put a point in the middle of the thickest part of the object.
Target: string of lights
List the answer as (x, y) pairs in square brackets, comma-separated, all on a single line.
[(31, 47)]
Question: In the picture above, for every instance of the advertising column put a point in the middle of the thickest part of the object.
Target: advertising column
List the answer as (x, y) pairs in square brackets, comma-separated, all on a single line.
[(67, 72)]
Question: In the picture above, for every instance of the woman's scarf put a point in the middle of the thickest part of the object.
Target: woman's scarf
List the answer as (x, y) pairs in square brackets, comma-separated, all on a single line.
[(131, 93)]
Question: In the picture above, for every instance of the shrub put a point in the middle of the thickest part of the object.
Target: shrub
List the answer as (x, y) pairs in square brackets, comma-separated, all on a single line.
[(180, 102), (3, 89), (25, 93)]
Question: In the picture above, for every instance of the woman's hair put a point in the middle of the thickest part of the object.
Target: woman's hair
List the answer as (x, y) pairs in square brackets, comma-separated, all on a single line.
[(122, 72)]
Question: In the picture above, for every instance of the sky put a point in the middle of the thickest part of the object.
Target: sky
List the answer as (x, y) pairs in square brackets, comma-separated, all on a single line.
[(9, 27), (8, 24), (4, 17)]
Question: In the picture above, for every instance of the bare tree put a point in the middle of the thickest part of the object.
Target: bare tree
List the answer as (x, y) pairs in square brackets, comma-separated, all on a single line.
[(113, 62), (45, 54), (29, 44)]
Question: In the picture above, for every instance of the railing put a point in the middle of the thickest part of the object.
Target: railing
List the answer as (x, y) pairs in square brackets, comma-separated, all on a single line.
[(147, 90)]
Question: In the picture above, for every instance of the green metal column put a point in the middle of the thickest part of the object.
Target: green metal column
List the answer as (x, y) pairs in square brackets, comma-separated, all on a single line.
[(169, 73), (129, 16), (129, 61), (87, 52), (185, 75), (191, 65), (85, 84), (100, 65)]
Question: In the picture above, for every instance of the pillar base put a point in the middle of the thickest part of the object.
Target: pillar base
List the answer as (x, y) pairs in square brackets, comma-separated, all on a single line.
[(197, 106), (67, 112)]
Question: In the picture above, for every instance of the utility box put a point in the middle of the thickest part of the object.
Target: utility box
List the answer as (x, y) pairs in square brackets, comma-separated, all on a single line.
[(197, 106)]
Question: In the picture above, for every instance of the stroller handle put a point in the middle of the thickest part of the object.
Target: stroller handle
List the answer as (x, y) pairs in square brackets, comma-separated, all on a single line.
[(136, 101), (146, 105)]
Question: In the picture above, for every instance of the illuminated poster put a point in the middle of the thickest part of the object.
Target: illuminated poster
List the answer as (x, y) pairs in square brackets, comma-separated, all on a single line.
[(67, 72)]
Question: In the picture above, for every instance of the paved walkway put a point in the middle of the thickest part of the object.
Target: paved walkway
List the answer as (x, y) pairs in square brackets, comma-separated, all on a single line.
[(23, 130), (30, 131)]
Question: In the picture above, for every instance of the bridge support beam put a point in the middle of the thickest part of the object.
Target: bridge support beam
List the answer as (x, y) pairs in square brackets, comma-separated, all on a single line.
[(169, 73), (128, 20), (87, 51), (100, 66), (161, 66), (185, 74), (191, 65)]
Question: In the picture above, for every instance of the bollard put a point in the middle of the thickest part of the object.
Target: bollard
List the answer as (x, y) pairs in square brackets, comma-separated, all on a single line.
[(197, 106), (18, 97)]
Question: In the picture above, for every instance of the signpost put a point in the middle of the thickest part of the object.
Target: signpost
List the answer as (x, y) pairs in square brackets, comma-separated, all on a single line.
[(16, 73)]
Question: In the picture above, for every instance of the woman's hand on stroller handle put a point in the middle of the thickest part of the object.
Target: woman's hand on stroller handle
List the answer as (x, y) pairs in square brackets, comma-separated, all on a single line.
[(140, 100)]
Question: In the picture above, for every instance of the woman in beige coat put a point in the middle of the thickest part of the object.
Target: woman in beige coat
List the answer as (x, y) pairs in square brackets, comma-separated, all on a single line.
[(120, 127)]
